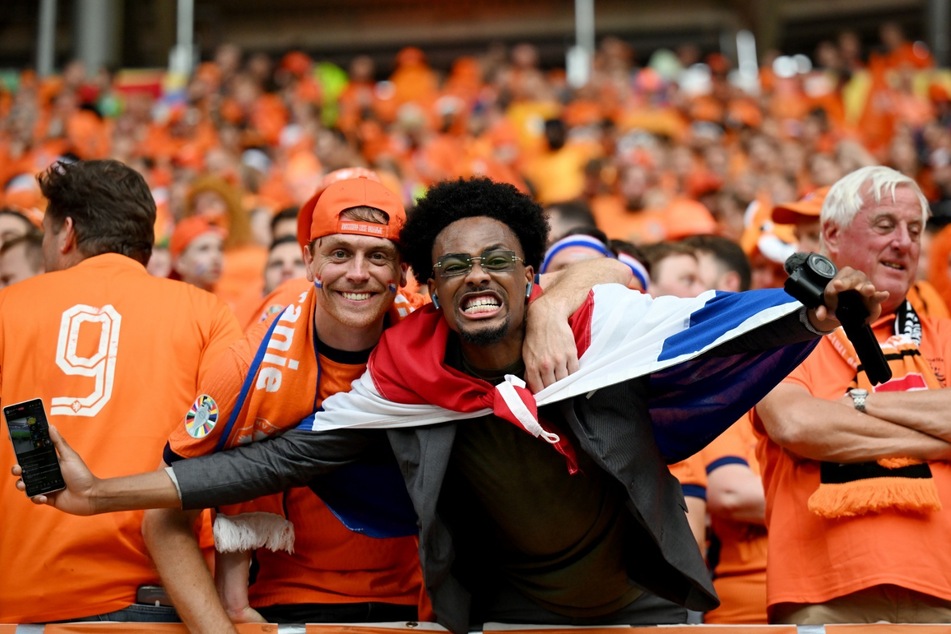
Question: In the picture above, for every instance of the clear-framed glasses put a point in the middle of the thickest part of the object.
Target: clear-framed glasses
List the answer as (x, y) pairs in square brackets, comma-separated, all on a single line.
[(491, 261)]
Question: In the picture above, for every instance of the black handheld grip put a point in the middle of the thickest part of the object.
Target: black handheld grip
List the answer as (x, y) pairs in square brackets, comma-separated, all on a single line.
[(852, 314)]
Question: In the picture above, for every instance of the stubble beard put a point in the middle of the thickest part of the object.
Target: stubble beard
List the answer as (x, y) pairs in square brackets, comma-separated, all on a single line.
[(486, 336)]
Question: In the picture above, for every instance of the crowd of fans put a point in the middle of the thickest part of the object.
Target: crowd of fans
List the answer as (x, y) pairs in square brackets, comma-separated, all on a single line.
[(647, 153), (658, 149)]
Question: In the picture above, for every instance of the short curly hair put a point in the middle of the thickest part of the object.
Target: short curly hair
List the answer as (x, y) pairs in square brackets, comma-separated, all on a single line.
[(449, 201)]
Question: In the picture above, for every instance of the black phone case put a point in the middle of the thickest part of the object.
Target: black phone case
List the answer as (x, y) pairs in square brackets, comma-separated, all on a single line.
[(30, 435)]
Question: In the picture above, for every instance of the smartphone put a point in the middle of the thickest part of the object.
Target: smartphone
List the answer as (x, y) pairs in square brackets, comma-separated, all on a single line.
[(30, 434)]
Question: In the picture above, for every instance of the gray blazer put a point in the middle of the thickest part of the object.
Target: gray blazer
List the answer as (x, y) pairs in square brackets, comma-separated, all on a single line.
[(669, 563), (612, 426)]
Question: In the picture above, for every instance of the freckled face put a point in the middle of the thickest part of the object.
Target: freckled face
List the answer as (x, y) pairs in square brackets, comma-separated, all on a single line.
[(355, 273)]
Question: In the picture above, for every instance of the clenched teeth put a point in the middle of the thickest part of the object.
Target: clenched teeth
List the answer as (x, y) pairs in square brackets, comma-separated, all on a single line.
[(355, 296), (481, 304)]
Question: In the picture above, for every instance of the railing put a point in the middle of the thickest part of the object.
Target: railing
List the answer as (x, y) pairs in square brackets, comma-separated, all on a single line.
[(396, 628)]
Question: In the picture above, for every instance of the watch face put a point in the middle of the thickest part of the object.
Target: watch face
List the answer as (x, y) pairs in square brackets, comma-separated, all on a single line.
[(822, 265)]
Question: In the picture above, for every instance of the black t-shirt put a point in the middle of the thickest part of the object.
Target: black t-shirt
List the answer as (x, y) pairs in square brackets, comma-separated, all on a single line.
[(515, 511)]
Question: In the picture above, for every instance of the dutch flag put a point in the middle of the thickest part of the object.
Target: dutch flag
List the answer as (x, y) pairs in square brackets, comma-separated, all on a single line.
[(700, 381)]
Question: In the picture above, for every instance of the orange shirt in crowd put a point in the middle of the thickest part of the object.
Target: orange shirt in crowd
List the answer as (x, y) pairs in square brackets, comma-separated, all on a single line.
[(677, 219), (739, 570), (329, 563), (812, 559), (116, 355), (558, 176), (242, 274)]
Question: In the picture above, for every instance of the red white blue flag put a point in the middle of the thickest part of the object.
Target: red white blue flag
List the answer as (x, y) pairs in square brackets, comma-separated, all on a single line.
[(699, 382)]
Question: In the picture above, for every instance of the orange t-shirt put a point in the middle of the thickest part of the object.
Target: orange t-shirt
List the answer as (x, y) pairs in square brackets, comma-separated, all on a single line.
[(330, 563), (116, 355), (242, 274), (646, 226), (558, 176), (927, 301), (740, 566), (811, 559)]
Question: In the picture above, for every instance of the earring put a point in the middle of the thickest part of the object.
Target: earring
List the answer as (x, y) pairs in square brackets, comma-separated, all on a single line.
[(528, 290), (436, 301)]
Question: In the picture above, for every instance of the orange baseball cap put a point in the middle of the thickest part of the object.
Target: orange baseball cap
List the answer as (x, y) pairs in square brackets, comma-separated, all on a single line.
[(344, 189), (805, 209), (685, 217), (187, 229)]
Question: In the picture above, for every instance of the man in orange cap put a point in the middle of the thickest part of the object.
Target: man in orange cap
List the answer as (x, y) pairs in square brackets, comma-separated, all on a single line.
[(309, 566), (319, 343)]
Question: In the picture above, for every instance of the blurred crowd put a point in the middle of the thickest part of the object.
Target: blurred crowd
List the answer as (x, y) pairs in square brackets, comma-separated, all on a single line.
[(695, 174), (677, 144)]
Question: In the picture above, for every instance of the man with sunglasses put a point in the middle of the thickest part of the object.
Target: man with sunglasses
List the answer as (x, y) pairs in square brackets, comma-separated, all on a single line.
[(589, 530)]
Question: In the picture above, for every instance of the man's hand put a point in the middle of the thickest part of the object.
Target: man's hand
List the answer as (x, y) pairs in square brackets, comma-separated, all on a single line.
[(232, 575), (245, 615), (823, 318), (549, 349), (77, 497)]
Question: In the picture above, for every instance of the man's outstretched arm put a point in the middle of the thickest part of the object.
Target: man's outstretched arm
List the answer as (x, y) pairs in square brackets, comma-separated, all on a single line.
[(232, 476), (85, 494)]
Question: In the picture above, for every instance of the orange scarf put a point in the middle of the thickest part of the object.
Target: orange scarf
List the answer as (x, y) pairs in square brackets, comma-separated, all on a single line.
[(889, 484)]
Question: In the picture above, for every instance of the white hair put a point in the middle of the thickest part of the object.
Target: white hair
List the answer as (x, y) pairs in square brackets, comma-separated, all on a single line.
[(851, 192)]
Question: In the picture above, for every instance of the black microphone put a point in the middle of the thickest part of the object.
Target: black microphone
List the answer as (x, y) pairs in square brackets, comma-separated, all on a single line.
[(809, 274), (851, 313)]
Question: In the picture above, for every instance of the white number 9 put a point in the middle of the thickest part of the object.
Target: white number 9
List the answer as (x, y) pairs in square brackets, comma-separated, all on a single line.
[(101, 365)]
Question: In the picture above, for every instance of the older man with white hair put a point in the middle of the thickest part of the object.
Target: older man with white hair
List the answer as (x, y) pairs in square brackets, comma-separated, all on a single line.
[(857, 482)]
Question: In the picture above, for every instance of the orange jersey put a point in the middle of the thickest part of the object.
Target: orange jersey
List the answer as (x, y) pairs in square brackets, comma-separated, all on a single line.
[(116, 355), (330, 563), (740, 566), (812, 559)]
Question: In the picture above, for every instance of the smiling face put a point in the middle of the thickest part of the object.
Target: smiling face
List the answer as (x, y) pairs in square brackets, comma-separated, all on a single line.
[(883, 242), (487, 309), (357, 279)]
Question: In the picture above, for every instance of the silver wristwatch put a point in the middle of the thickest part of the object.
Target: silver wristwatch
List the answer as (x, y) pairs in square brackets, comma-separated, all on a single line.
[(858, 399)]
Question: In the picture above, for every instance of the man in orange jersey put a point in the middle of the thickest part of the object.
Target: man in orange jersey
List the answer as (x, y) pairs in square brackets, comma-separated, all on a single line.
[(308, 566), (317, 346), (856, 473), (101, 342)]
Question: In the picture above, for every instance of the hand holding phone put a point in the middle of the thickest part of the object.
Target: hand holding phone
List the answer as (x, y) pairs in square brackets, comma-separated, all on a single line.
[(36, 455)]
